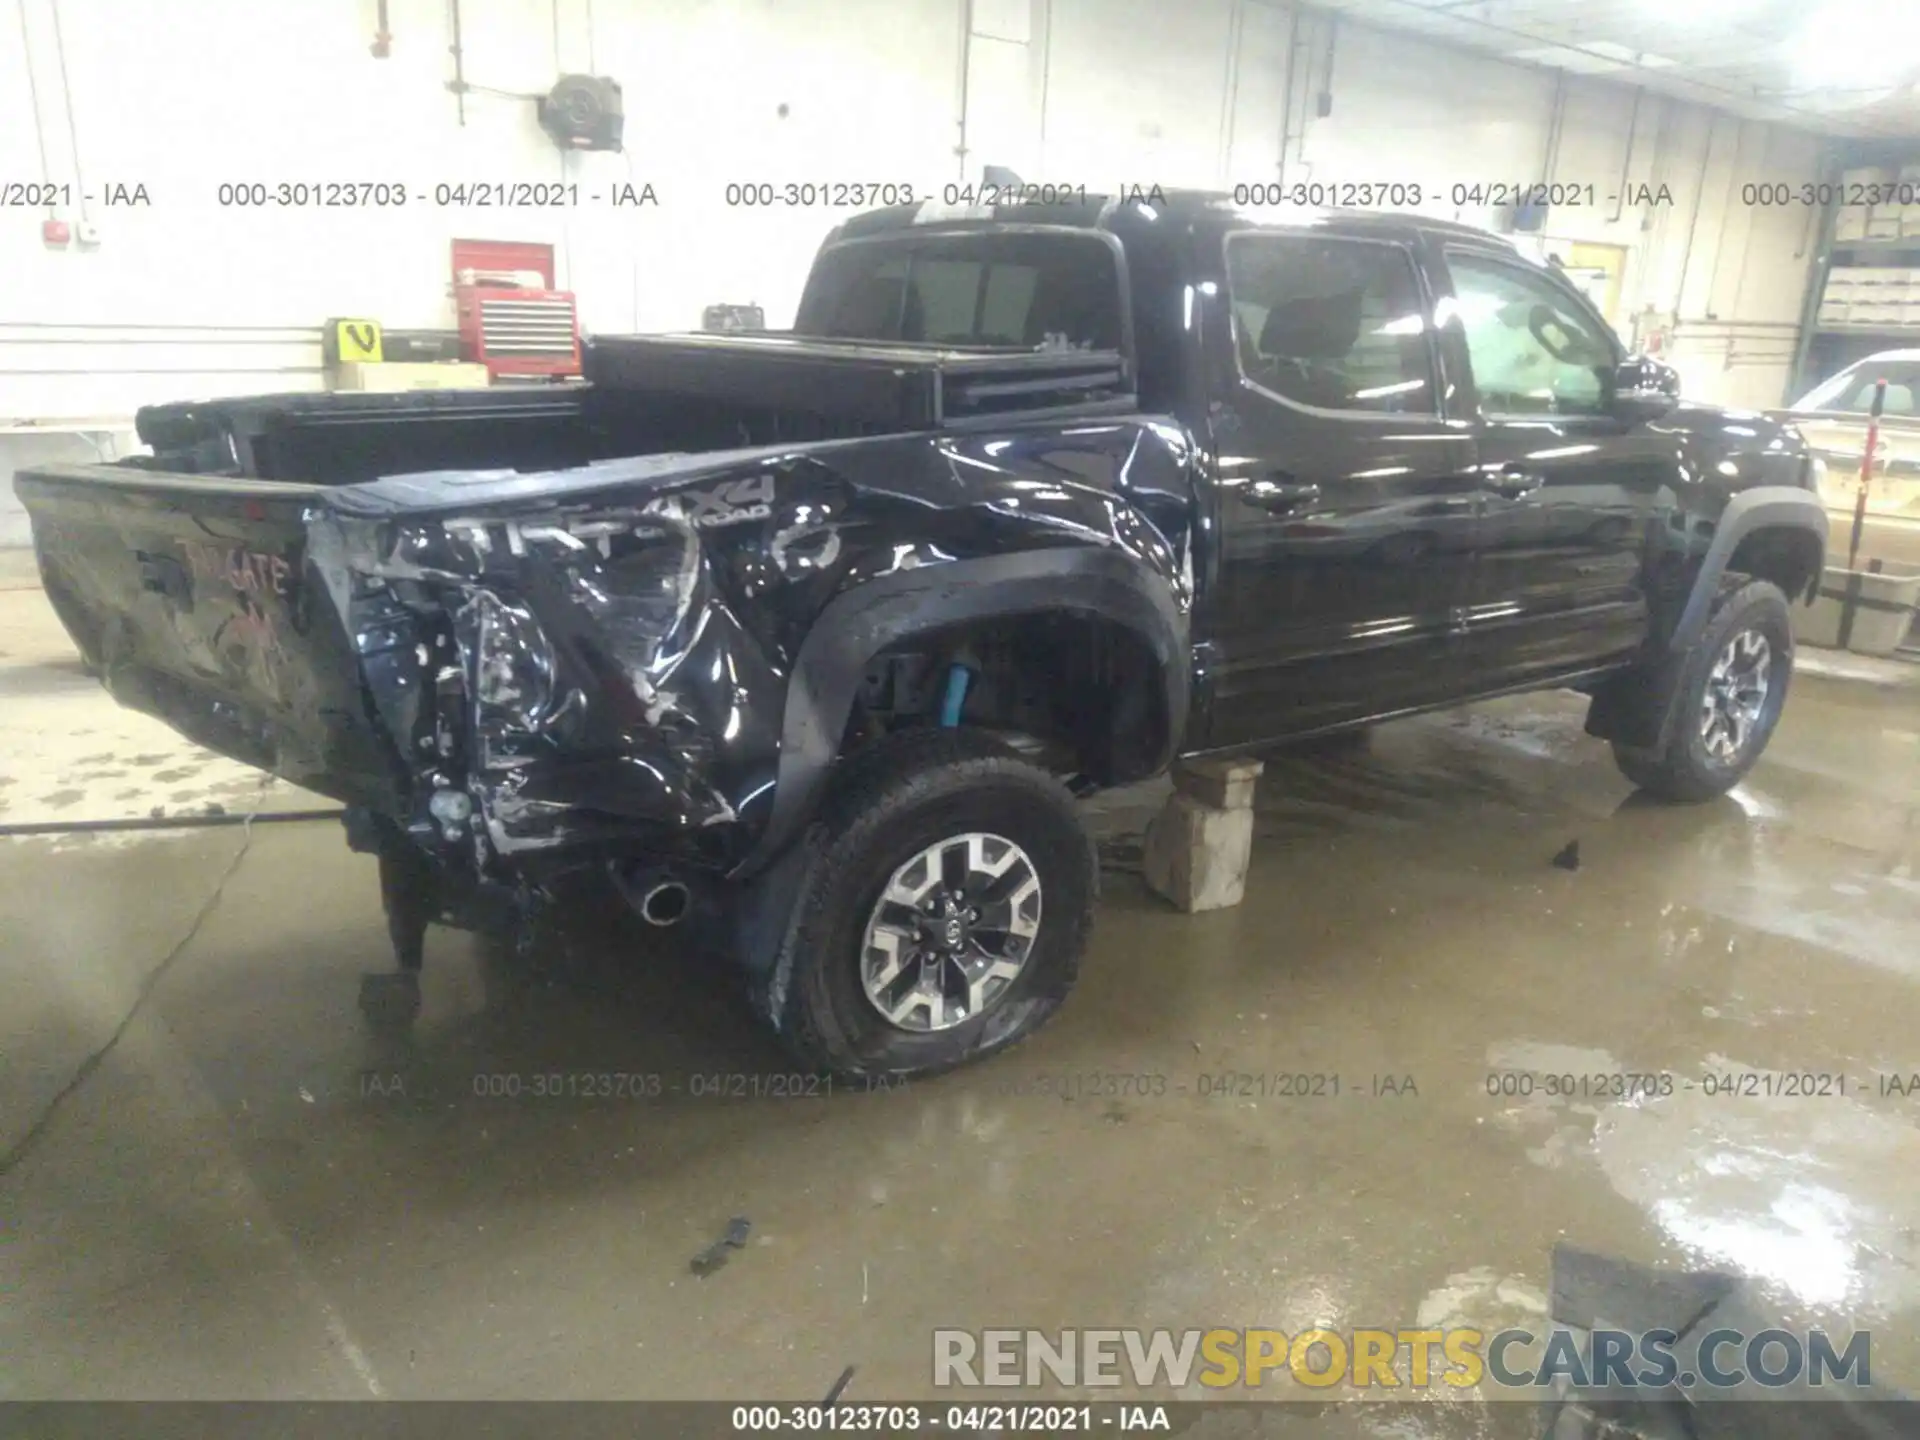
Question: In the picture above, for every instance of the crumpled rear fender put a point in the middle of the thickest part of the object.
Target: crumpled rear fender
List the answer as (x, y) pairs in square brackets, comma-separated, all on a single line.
[(664, 666)]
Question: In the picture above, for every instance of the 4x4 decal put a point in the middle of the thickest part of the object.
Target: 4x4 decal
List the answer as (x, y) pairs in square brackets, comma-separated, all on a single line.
[(733, 502)]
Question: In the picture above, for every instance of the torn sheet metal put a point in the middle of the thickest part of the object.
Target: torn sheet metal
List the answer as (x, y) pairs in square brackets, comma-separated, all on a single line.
[(606, 661)]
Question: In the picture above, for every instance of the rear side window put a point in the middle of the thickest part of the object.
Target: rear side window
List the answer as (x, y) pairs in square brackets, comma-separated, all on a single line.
[(1330, 323), (999, 291)]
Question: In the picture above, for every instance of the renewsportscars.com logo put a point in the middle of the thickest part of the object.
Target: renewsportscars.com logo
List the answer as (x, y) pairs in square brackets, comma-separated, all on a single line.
[(1457, 1359)]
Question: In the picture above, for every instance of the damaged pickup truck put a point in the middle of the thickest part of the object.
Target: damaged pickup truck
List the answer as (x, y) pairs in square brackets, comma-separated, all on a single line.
[(817, 635)]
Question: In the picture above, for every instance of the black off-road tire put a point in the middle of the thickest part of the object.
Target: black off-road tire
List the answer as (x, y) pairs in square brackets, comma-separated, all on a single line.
[(889, 803), (1685, 770)]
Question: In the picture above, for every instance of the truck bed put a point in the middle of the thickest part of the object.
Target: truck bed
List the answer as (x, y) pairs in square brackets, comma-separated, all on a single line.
[(207, 584), (643, 395)]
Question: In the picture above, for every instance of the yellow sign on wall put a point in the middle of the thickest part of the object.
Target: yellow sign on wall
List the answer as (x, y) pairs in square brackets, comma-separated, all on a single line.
[(355, 342)]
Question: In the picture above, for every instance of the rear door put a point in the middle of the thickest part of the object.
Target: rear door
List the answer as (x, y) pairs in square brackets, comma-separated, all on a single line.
[(1568, 491), (1345, 501)]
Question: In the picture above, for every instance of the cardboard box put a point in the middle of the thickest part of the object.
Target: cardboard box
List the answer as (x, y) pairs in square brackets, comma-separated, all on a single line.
[(392, 378), (1905, 209), (1855, 222), (1890, 312)]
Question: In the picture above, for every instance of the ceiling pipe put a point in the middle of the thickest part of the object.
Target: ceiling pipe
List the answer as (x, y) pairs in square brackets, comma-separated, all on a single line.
[(966, 65), (66, 98), (1556, 122), (1286, 97), (1045, 61), (33, 98), (459, 85), (1693, 224), (1626, 160), (1230, 93), (1726, 209)]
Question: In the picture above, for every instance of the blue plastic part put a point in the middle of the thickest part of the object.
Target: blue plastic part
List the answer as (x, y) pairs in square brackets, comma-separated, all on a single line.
[(957, 679)]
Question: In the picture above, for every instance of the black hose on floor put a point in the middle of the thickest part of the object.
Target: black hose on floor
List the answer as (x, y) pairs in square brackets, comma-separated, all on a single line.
[(163, 822)]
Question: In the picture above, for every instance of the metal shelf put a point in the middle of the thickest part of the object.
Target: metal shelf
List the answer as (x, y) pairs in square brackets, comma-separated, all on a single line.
[(1887, 154), (1877, 247), (1912, 331)]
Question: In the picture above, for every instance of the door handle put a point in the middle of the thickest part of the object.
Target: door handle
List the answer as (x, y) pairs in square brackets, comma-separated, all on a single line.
[(1279, 491), (1513, 481)]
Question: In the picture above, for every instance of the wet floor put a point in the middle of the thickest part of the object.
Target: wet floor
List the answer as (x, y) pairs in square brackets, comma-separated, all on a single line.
[(249, 1194)]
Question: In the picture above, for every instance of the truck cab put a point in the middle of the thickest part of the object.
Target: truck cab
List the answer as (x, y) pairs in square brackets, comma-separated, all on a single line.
[(1429, 469)]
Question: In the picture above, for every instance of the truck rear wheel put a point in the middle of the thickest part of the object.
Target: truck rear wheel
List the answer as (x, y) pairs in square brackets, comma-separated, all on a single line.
[(1727, 693), (942, 913)]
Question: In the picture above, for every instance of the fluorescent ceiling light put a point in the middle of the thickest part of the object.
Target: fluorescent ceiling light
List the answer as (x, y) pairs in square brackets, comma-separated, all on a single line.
[(1628, 55), (1831, 101), (1565, 57), (1857, 45), (1696, 13), (1592, 57)]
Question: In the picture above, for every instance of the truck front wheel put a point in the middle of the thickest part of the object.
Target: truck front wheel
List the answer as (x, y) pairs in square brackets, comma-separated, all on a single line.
[(941, 913), (1727, 693)]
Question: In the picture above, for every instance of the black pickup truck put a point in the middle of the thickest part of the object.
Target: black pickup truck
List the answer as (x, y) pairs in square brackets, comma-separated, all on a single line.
[(815, 636)]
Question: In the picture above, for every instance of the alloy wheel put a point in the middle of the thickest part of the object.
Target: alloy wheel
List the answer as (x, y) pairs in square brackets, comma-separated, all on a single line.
[(1736, 695), (953, 928)]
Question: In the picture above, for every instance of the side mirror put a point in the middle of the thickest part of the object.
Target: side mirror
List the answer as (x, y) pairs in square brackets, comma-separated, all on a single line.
[(1643, 389)]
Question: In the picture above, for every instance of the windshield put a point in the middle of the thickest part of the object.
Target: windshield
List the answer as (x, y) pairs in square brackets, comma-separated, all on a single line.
[(1851, 391), (1001, 290)]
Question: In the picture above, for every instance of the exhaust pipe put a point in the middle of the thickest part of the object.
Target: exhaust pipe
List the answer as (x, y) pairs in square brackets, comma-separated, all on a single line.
[(665, 903), (656, 894)]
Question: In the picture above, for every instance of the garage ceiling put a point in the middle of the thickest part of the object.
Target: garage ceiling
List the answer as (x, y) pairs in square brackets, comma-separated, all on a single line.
[(1842, 67)]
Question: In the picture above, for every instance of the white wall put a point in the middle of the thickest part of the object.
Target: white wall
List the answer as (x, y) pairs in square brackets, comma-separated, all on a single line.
[(1207, 101), (185, 298)]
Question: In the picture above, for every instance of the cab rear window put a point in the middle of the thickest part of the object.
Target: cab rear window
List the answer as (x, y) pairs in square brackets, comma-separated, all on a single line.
[(992, 291)]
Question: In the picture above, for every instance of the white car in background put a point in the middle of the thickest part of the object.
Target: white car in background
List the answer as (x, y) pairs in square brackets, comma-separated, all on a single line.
[(1833, 418)]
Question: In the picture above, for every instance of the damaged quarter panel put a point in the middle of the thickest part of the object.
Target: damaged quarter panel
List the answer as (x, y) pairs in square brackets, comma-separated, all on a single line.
[(658, 658)]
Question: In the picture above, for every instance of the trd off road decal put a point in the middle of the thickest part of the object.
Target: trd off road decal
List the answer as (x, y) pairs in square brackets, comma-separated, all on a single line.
[(733, 502)]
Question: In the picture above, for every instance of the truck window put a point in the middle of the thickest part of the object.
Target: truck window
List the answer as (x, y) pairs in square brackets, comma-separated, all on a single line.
[(1001, 291), (1533, 350), (1330, 323)]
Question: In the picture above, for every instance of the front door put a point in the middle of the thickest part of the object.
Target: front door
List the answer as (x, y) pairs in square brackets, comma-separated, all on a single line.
[(1346, 503), (1570, 492)]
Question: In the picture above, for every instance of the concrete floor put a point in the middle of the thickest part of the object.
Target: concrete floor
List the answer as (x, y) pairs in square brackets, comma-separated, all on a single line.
[(223, 1205)]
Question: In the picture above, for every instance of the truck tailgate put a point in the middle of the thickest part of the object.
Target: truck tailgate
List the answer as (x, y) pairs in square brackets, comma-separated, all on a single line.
[(195, 601)]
